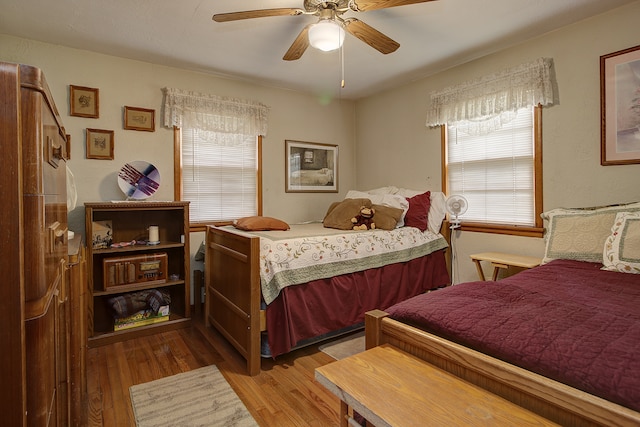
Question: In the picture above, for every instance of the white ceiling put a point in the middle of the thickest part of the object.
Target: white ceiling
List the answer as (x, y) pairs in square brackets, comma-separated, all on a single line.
[(433, 36)]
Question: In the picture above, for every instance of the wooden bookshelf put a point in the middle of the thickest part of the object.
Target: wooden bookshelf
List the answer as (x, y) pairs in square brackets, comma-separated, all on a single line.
[(129, 223)]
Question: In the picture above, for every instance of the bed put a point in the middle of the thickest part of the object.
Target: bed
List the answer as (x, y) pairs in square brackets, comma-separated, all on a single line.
[(291, 287), (562, 339), (322, 176)]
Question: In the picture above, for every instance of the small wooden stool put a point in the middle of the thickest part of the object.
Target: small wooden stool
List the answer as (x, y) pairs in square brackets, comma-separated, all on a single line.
[(500, 260)]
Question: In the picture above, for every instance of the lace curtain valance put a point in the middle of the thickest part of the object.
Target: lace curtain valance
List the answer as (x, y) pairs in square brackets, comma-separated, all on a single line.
[(489, 101), (214, 113)]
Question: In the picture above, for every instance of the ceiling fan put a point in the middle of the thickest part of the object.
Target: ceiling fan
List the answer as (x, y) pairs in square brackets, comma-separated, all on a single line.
[(328, 32)]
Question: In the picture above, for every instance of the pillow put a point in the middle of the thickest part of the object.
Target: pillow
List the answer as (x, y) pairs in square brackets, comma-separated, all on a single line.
[(260, 223), (579, 234), (339, 214), (383, 190), (418, 213), (437, 209), (391, 200), (622, 247), (386, 217)]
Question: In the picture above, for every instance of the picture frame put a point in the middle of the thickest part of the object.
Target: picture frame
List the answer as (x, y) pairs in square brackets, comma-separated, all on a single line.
[(620, 107), (311, 167), (100, 144), (142, 119), (84, 102)]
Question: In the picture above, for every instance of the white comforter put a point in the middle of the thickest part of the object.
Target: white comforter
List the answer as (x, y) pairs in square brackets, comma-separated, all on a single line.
[(310, 252)]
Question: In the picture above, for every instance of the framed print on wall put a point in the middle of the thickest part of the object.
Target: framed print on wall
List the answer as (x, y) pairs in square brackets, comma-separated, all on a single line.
[(100, 144), (311, 167), (84, 102), (620, 107), (139, 119)]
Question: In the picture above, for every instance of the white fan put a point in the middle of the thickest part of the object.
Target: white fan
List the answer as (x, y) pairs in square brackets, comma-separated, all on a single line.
[(456, 206)]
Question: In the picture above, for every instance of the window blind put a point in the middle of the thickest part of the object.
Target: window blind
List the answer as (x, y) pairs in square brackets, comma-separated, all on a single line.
[(219, 175), (494, 171)]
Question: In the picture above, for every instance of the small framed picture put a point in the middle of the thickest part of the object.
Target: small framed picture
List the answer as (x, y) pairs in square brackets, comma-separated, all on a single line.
[(84, 102), (139, 119), (100, 144), (311, 167)]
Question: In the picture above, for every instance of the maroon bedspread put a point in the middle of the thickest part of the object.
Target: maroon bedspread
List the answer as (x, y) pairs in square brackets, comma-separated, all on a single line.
[(313, 309), (566, 320)]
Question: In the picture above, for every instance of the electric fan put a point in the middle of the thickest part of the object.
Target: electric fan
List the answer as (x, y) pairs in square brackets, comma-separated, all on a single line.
[(456, 206)]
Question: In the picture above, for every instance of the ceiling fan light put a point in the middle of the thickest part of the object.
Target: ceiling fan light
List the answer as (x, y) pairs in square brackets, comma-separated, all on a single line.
[(326, 35)]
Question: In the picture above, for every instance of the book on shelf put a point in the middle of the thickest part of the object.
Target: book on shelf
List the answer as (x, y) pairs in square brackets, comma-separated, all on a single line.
[(141, 318), (102, 234)]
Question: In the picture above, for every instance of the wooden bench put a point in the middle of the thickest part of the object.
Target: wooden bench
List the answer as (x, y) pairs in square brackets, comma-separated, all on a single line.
[(389, 387)]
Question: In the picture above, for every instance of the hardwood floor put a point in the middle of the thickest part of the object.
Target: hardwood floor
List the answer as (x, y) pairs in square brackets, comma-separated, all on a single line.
[(285, 392)]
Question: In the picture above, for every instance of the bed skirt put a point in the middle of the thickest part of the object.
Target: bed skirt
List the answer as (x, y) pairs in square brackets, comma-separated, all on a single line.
[(317, 308)]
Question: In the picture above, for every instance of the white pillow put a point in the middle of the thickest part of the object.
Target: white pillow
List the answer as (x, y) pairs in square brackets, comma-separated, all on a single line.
[(622, 247), (384, 190), (437, 211)]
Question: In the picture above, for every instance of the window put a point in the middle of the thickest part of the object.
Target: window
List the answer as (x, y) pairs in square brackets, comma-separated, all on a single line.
[(219, 175), (217, 154), (499, 173)]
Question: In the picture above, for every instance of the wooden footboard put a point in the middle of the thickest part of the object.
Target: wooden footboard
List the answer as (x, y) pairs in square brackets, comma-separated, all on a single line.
[(232, 303), (551, 399)]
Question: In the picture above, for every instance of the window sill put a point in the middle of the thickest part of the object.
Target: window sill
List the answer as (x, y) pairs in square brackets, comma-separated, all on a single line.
[(513, 230)]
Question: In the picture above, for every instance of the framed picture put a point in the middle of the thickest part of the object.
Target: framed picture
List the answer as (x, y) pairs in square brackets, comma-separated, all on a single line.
[(311, 167), (100, 144), (620, 107), (84, 102), (139, 119)]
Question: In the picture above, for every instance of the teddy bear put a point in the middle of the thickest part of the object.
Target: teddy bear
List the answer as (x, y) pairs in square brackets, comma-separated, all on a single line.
[(364, 220)]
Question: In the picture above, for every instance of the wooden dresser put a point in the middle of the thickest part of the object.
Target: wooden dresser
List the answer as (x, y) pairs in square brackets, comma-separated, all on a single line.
[(34, 293)]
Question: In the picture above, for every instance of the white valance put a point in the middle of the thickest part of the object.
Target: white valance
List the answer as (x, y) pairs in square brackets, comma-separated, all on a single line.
[(214, 113), (489, 101)]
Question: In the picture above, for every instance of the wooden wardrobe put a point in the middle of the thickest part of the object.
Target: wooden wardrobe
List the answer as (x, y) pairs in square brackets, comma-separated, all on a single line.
[(37, 358)]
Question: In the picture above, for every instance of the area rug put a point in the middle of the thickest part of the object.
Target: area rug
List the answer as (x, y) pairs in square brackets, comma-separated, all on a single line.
[(201, 397), (345, 346)]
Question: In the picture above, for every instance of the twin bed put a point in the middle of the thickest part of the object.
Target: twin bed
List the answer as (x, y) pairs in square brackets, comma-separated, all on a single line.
[(270, 291)]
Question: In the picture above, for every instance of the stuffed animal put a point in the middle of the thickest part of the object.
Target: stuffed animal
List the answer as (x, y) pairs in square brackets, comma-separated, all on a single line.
[(364, 220)]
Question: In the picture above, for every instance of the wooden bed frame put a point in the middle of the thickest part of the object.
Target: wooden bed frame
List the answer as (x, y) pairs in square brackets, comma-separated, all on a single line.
[(555, 401), (235, 299), (233, 305)]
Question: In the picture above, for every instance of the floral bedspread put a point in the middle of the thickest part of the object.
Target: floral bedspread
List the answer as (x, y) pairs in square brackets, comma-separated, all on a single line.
[(310, 252)]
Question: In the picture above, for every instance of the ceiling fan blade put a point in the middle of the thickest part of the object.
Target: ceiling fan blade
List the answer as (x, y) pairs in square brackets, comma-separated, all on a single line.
[(250, 14), (299, 45), (370, 36), (364, 5)]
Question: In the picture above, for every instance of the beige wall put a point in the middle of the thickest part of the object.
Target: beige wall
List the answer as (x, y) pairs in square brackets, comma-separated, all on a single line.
[(394, 146), (383, 138), (121, 82)]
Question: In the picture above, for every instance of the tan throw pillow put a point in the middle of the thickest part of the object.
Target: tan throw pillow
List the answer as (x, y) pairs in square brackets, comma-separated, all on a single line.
[(260, 223), (386, 217), (339, 214)]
